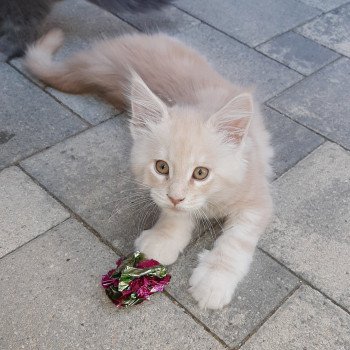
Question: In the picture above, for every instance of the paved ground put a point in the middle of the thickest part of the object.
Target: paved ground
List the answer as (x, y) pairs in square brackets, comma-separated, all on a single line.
[(64, 173)]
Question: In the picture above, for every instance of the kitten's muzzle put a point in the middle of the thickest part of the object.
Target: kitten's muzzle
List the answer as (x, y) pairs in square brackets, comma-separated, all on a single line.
[(175, 201)]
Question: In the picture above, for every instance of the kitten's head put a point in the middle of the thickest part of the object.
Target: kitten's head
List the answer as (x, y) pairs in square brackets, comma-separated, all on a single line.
[(188, 161)]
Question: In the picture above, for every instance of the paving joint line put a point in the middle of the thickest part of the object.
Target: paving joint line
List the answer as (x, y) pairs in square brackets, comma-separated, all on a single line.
[(33, 239), (299, 161), (305, 281), (324, 13), (293, 28), (293, 166), (73, 214), (271, 313), (276, 36), (87, 123), (198, 321), (309, 128), (17, 162), (318, 43), (9, 63), (300, 81), (233, 38)]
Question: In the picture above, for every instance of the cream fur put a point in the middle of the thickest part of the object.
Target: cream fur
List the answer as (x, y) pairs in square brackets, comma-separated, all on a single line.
[(186, 114)]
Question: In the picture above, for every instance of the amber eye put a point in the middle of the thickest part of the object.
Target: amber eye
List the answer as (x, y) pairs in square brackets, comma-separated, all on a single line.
[(200, 173), (162, 167)]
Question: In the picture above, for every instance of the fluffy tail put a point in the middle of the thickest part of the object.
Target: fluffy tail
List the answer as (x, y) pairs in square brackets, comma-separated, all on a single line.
[(84, 72), (118, 6), (65, 76), (38, 58)]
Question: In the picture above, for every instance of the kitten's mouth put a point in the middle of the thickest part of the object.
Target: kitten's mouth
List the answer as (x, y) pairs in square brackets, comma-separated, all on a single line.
[(176, 208)]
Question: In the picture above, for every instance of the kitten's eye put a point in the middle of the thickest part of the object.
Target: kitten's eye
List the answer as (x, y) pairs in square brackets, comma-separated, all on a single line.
[(200, 173), (162, 167)]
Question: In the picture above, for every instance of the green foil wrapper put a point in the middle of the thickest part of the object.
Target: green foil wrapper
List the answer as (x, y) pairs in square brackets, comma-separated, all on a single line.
[(134, 280)]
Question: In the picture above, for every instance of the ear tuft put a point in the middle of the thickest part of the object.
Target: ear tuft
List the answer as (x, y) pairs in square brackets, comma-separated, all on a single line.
[(234, 118), (146, 107)]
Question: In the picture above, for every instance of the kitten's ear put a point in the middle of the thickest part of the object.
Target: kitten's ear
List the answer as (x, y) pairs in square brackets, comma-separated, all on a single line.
[(146, 107), (233, 120)]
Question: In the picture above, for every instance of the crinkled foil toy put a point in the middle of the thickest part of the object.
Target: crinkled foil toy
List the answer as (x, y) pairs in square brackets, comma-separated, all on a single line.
[(134, 280)]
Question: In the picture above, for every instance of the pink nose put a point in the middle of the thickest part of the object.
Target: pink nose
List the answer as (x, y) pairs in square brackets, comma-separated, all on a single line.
[(175, 200)]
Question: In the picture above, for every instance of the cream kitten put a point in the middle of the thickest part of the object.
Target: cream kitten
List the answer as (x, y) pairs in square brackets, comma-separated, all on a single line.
[(199, 144)]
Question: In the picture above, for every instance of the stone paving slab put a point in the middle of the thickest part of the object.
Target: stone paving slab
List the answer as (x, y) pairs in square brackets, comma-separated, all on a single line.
[(29, 119), (2, 58), (310, 233), (298, 52), (90, 174), (321, 102), (331, 30), (239, 63), (250, 21), (325, 5), (91, 108), (169, 20), (262, 290), (52, 299), (291, 142), (306, 321), (26, 211)]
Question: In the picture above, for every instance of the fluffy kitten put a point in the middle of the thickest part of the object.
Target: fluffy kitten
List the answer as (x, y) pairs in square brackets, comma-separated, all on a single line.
[(21, 20), (199, 145)]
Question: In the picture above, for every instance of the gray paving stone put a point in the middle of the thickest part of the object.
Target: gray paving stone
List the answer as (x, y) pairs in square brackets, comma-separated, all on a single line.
[(298, 52), (325, 5), (88, 107), (169, 20), (262, 290), (291, 141), (306, 321), (2, 57), (52, 299), (29, 119), (26, 211), (239, 63), (321, 102), (310, 233), (17, 64), (90, 174), (250, 21), (332, 30)]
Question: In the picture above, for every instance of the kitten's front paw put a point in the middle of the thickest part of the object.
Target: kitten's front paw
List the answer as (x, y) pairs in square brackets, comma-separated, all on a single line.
[(158, 246), (211, 288)]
